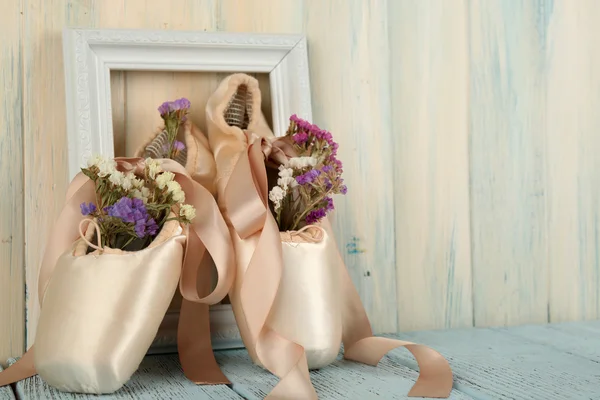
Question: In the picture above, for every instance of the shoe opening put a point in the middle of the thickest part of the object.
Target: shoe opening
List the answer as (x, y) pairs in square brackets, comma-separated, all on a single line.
[(239, 110)]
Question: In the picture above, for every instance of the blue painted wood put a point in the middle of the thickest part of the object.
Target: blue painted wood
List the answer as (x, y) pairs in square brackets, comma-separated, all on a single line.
[(6, 392), (341, 380), (159, 378), (499, 364), (507, 161), (576, 338)]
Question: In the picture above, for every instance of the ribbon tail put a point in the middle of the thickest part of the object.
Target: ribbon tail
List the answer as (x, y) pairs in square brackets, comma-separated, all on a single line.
[(193, 336), (22, 369), (435, 375)]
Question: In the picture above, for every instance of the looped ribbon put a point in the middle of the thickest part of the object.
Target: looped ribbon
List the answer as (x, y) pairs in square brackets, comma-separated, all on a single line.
[(245, 201), (307, 234), (208, 239)]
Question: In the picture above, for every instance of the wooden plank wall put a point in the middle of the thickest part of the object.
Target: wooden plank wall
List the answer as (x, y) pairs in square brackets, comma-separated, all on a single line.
[(468, 130)]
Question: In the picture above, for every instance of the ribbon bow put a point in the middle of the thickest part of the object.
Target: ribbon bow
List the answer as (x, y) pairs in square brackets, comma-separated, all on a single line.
[(245, 203), (207, 238)]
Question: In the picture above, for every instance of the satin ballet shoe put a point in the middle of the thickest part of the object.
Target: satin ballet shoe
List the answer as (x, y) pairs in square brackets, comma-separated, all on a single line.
[(240, 138), (86, 340), (196, 157)]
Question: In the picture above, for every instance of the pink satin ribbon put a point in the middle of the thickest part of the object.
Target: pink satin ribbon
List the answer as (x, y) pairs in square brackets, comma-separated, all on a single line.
[(245, 200), (208, 236)]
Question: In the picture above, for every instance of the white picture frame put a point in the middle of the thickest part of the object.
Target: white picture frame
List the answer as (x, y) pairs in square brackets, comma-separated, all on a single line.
[(91, 54)]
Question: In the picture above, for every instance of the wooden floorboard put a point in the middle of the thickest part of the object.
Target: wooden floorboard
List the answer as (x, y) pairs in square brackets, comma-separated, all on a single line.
[(498, 364), (575, 338), (158, 378), (6, 392), (342, 380), (541, 362)]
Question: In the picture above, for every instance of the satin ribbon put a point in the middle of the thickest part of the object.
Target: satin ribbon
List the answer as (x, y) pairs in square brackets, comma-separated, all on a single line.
[(207, 236), (245, 200)]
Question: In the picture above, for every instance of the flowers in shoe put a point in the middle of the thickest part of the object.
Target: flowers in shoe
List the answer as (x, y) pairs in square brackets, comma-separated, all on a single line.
[(306, 182), (131, 207), (174, 113)]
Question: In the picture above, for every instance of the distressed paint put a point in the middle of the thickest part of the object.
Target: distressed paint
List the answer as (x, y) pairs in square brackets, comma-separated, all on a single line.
[(6, 392), (44, 128), (12, 274), (509, 236), (349, 70), (407, 87), (573, 162), (341, 380), (157, 378), (499, 364), (429, 73)]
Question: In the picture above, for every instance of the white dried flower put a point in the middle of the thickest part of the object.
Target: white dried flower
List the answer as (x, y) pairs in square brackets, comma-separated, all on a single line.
[(188, 212), (287, 181), (154, 167), (95, 160), (116, 178), (106, 167), (285, 172), (276, 195), (135, 181), (302, 162), (174, 188), (164, 178), (143, 194)]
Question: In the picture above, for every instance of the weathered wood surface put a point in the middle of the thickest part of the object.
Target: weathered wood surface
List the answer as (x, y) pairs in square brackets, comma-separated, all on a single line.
[(572, 146), (159, 378), (507, 161), (341, 380), (431, 163), (12, 274), (6, 392), (550, 362), (528, 363), (406, 86)]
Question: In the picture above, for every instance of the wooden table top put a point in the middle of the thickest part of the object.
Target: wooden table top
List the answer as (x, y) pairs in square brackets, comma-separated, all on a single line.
[(545, 362)]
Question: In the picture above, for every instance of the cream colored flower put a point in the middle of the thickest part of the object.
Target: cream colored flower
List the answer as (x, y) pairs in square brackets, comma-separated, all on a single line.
[(154, 167), (188, 212), (116, 178), (174, 188), (302, 162), (285, 172), (276, 195), (142, 194), (135, 181), (95, 160), (164, 178), (287, 181), (106, 167)]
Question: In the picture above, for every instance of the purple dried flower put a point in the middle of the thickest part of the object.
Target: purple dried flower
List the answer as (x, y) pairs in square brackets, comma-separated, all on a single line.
[(327, 169), (300, 137), (315, 215), (87, 209), (178, 146), (329, 206), (328, 184), (151, 227), (343, 189), (164, 108), (182, 104), (134, 211), (140, 228), (308, 177), (122, 209)]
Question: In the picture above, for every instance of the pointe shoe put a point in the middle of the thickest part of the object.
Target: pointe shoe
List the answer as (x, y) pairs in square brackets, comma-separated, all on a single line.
[(235, 107), (196, 157)]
